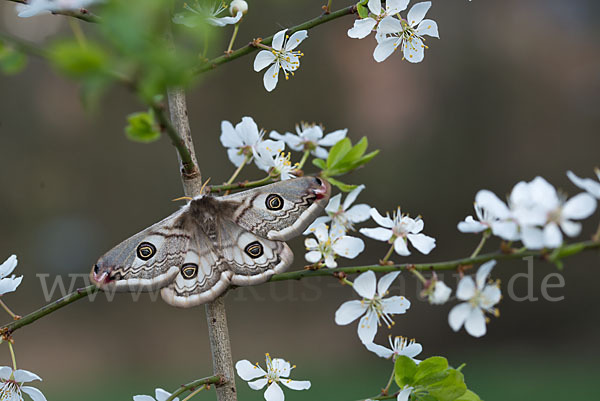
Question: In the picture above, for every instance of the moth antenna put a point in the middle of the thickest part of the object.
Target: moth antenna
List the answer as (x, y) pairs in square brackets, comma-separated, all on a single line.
[(182, 198), (204, 185)]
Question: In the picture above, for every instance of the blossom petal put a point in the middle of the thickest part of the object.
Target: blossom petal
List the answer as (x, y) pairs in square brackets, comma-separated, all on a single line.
[(458, 315), (334, 204), (395, 305), (333, 137), (330, 261), (365, 284), (313, 256), (162, 395), (281, 366), (385, 48), (374, 6), (23, 376), (417, 12), (571, 228), (532, 237), (379, 233), (587, 184), (271, 76), (508, 230), (8, 266), (422, 242), (5, 372), (248, 131), (552, 236), (466, 288), (441, 293), (295, 40), (319, 220), (263, 59), (247, 371), (296, 384), (349, 311), (236, 157), (258, 384), (320, 153), (367, 327), (351, 197), (389, 25), (492, 204), (9, 284), (274, 393), (400, 247), (380, 350), (348, 247), (483, 272), (475, 323), (229, 137), (34, 393), (278, 39), (412, 350), (490, 296), (428, 27), (395, 6), (385, 282), (470, 225), (404, 394), (143, 398), (413, 49), (579, 207), (382, 221), (358, 213)]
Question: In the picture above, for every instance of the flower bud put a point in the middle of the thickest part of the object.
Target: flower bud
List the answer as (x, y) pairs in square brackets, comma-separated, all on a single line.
[(238, 5)]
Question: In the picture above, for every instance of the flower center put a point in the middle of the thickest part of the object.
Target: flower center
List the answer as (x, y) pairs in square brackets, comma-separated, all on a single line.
[(375, 304), (8, 391)]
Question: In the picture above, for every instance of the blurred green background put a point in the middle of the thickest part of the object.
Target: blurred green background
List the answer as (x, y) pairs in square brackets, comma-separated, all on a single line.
[(510, 91)]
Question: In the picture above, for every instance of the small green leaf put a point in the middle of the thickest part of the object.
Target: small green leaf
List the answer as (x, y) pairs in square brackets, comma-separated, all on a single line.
[(79, 61), (430, 369), (338, 151), (404, 371), (320, 163), (342, 187), (142, 127), (363, 12), (468, 396), (357, 151), (563, 252), (11, 61), (449, 389)]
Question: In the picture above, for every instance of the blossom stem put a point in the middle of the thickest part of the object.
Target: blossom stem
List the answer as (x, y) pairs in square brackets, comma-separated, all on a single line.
[(192, 385), (237, 171), (386, 390), (387, 255), (194, 393), (7, 309), (235, 32), (484, 238), (328, 9), (418, 275), (252, 47), (247, 184), (77, 32), (346, 281), (304, 159), (12, 355)]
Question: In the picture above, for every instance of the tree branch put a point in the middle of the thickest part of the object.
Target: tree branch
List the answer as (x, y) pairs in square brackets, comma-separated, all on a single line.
[(82, 14), (249, 48), (195, 384), (569, 250)]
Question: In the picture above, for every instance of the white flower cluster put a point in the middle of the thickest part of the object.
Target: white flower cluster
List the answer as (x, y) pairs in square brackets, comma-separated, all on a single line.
[(246, 143), (209, 13), (36, 7), (393, 33), (12, 384), (535, 214)]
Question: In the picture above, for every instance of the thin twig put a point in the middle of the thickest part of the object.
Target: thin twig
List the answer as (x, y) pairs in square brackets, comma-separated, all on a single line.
[(241, 185), (214, 63), (195, 384)]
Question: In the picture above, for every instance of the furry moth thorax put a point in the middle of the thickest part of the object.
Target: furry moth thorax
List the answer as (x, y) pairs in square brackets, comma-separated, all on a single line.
[(197, 252)]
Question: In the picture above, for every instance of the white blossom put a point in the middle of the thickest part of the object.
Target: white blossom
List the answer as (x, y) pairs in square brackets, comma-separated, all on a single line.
[(12, 388), (342, 215), (243, 142), (407, 34), (398, 346), (398, 230), (161, 395), (542, 213), (282, 55), (592, 187), (373, 307), (328, 245), (492, 214), (278, 371), (480, 297), (9, 284), (35, 7), (310, 137), (209, 13), (363, 27), (405, 393), (438, 292), (238, 6), (275, 163)]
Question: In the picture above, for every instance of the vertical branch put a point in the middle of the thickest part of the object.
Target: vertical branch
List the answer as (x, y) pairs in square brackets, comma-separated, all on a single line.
[(215, 311)]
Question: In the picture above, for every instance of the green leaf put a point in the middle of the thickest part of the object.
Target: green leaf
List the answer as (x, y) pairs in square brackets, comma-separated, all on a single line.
[(431, 370), (468, 396), (563, 252), (357, 151), (79, 61), (338, 151), (449, 389), (342, 187), (11, 61), (142, 127), (320, 163), (404, 371), (363, 12)]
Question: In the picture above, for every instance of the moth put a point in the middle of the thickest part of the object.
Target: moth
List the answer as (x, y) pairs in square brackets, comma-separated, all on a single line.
[(196, 253)]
